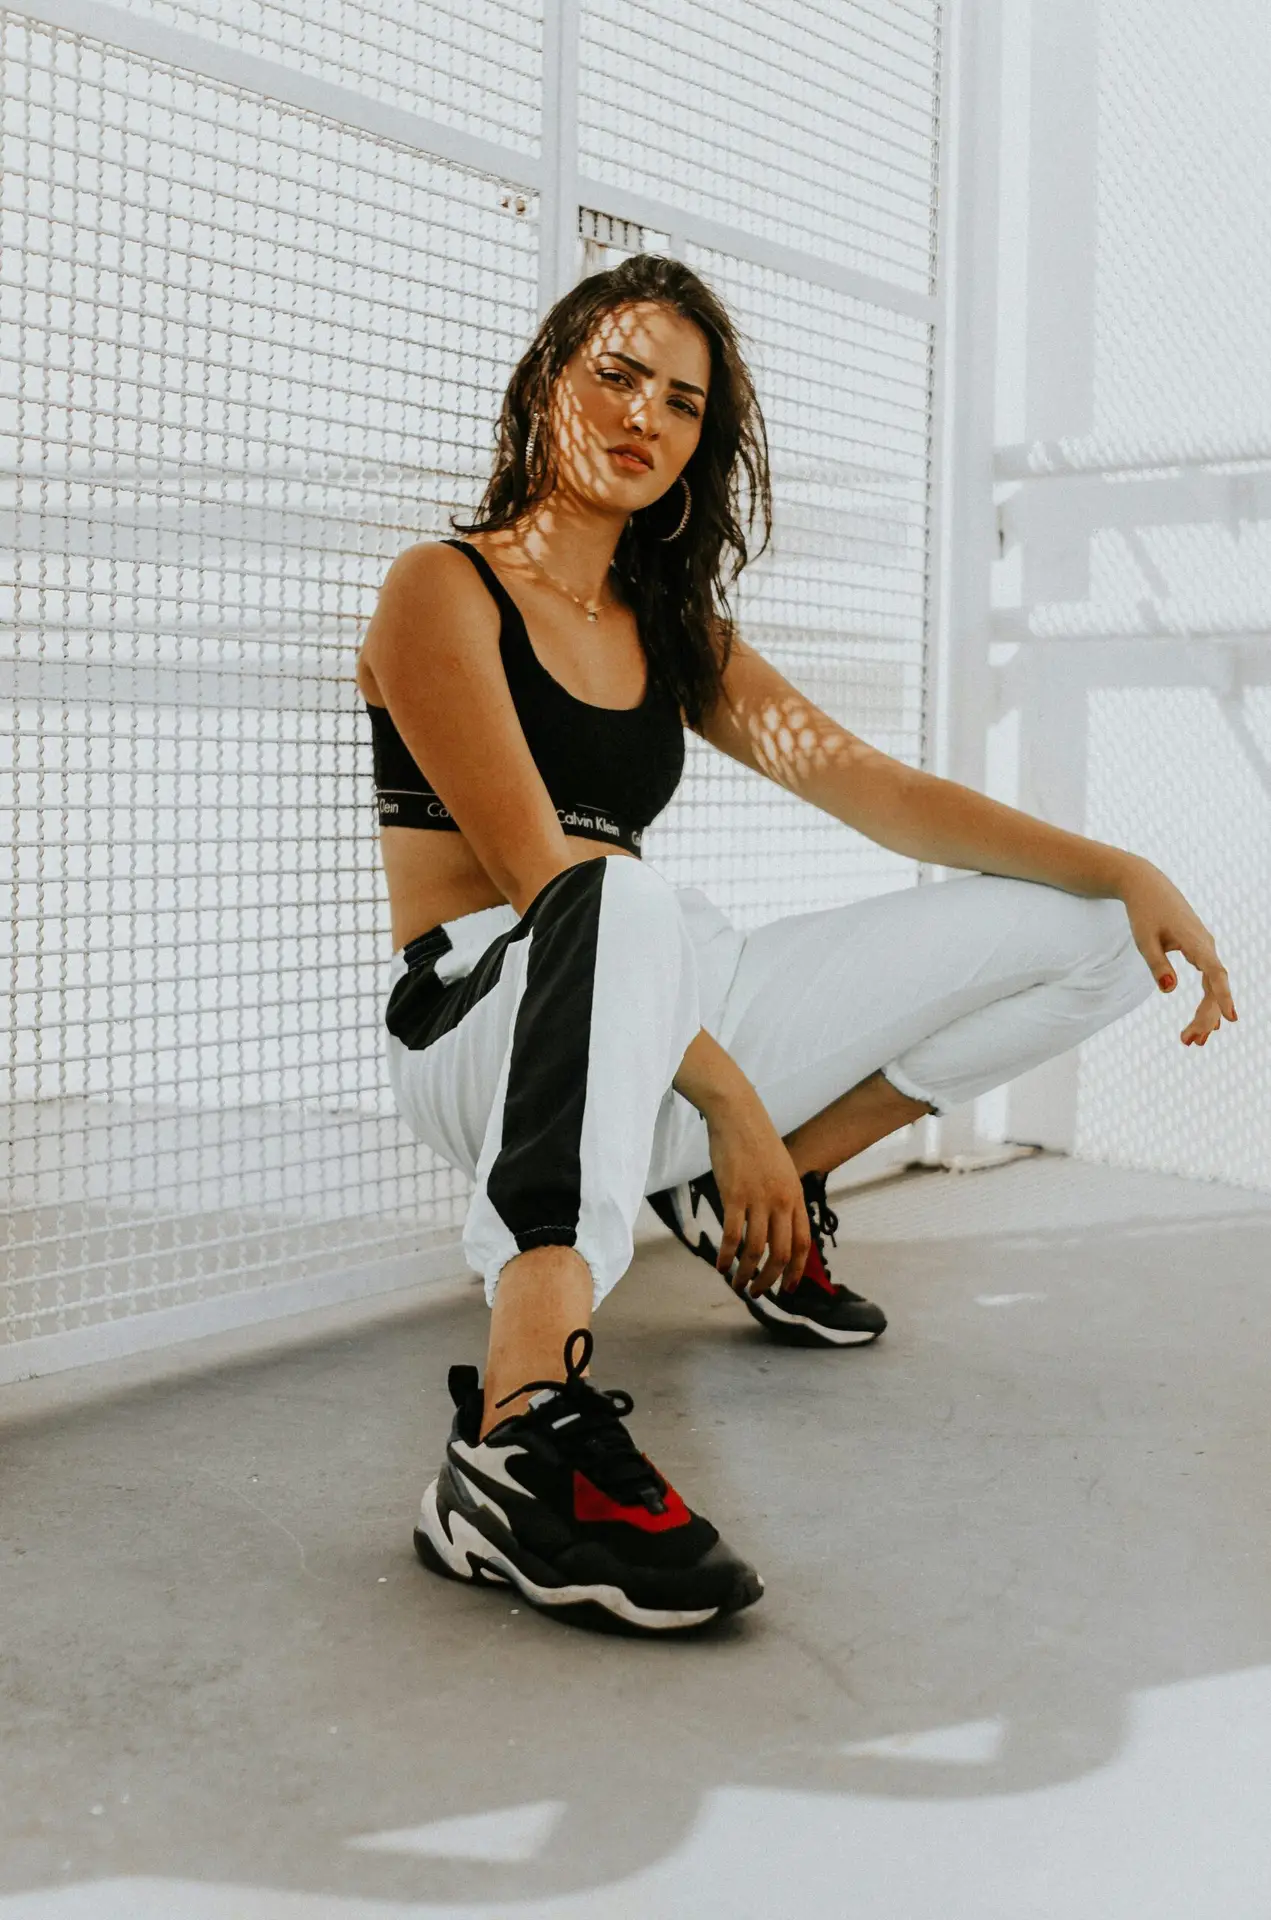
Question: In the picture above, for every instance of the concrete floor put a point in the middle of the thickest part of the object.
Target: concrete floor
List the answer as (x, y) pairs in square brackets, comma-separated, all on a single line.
[(1014, 1659)]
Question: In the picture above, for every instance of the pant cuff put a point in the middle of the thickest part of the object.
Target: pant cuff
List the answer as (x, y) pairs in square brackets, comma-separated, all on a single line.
[(490, 1278), (899, 1079)]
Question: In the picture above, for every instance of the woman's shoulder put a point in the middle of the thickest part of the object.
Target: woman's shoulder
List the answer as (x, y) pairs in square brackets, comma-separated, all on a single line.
[(436, 559), (431, 595), (439, 575)]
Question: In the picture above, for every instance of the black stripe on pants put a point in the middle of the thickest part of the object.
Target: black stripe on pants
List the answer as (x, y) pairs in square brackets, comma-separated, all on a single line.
[(535, 1181)]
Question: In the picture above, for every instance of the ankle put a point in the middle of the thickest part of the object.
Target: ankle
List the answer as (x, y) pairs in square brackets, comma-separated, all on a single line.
[(542, 1297)]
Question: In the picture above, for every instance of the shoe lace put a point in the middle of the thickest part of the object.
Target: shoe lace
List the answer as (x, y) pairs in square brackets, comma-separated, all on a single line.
[(822, 1218), (587, 1424)]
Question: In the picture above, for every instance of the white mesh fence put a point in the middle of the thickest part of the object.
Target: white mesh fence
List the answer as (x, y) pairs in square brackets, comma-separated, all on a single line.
[(247, 353), (812, 125)]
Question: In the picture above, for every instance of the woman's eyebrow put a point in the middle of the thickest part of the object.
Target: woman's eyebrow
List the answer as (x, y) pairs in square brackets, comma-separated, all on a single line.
[(685, 386)]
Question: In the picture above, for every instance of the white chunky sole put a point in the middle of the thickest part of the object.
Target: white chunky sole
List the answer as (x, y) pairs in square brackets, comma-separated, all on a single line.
[(464, 1553), (831, 1336)]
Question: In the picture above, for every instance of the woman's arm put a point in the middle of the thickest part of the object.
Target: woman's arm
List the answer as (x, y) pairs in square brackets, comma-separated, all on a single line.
[(768, 725), (761, 1192), (432, 645)]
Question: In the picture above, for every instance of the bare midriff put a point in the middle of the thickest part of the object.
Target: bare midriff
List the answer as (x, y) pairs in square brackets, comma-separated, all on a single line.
[(436, 876)]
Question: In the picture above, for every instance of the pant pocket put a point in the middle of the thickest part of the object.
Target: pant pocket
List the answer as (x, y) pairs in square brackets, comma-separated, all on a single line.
[(469, 937)]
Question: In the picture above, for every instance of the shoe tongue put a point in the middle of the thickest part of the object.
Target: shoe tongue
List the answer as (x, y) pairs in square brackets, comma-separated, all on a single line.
[(555, 1404), (581, 1393), (635, 1481)]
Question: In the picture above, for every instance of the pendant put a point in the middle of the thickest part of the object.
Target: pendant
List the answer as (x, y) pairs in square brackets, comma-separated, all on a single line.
[(592, 616)]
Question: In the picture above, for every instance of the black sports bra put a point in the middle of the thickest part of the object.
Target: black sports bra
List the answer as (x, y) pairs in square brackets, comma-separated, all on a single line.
[(609, 770)]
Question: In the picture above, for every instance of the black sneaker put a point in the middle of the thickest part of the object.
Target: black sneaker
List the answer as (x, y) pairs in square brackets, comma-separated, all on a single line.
[(813, 1313), (560, 1503)]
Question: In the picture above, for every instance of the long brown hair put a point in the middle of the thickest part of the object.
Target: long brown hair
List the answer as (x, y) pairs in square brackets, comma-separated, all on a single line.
[(676, 588)]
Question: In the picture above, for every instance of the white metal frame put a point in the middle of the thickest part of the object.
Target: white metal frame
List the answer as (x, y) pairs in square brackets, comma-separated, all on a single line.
[(961, 529), (965, 535)]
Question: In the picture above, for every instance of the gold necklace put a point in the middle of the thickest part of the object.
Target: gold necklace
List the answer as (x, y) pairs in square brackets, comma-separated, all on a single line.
[(592, 613)]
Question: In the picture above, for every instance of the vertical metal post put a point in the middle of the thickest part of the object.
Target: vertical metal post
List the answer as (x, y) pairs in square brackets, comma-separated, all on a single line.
[(1057, 328), (558, 202), (965, 530)]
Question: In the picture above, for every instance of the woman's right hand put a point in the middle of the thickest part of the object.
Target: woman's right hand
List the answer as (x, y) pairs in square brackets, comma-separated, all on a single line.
[(762, 1197)]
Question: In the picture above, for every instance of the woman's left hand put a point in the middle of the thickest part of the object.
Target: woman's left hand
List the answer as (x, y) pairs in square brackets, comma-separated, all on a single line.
[(1162, 923)]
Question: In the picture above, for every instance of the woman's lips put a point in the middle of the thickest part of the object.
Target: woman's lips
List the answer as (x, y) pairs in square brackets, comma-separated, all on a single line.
[(629, 462)]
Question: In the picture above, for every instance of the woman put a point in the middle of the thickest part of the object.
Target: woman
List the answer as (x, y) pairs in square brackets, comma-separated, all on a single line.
[(574, 1032)]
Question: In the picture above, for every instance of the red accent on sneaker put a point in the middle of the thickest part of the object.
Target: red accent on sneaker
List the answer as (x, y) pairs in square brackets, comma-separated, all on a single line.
[(591, 1504), (815, 1269)]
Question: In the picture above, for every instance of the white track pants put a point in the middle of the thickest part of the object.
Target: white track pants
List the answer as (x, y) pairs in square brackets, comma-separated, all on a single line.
[(537, 1054)]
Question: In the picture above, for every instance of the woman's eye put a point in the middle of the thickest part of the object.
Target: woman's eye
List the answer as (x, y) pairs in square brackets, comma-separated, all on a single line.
[(681, 406)]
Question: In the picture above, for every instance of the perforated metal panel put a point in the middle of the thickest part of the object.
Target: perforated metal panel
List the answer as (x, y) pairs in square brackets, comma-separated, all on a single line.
[(249, 355)]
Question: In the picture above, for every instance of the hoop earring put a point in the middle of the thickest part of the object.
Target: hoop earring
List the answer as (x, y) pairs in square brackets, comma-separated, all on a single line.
[(688, 502), (529, 444)]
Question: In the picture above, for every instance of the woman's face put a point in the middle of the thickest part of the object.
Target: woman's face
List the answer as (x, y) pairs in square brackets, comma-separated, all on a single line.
[(641, 380)]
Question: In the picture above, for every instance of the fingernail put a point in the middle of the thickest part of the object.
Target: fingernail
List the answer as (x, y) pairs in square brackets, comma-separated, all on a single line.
[(1167, 981)]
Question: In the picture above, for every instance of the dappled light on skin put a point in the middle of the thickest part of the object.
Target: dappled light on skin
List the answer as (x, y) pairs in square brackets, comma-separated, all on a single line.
[(641, 378), (793, 741)]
